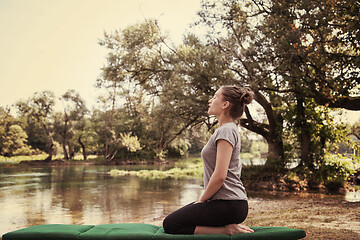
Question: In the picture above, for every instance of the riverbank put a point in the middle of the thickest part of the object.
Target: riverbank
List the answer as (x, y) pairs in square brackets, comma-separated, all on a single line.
[(40, 160)]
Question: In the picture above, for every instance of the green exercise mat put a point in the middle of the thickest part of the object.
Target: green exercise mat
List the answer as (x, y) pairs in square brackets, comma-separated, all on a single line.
[(132, 231)]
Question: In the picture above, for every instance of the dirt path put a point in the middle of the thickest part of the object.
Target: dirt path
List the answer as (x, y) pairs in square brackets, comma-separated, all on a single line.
[(320, 218)]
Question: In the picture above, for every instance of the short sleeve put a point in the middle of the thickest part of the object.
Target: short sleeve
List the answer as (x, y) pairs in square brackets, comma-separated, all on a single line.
[(227, 134)]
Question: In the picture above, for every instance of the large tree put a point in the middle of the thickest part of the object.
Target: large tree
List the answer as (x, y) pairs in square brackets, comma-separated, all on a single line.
[(235, 29), (292, 53), (322, 45), (316, 45)]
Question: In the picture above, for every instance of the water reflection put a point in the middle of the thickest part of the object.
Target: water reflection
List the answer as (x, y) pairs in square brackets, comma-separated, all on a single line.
[(86, 195)]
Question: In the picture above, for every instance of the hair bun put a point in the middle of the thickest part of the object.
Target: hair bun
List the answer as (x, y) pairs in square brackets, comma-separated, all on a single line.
[(238, 97), (247, 95)]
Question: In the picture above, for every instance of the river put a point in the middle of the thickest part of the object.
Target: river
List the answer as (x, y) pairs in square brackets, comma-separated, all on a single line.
[(87, 194)]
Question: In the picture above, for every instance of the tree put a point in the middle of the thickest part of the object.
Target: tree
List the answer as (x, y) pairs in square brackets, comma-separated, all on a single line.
[(85, 135), (14, 142), (323, 42), (317, 48), (74, 112), (292, 53), (37, 137), (103, 123), (235, 29), (173, 81), (38, 109), (6, 120)]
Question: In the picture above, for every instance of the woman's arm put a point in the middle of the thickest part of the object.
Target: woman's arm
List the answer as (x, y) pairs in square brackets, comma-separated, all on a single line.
[(217, 179)]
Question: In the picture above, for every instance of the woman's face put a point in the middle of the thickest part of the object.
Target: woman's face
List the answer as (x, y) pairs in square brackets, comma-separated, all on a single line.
[(217, 104)]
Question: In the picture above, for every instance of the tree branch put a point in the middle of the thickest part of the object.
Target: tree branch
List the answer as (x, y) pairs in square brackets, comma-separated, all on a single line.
[(250, 124), (349, 103)]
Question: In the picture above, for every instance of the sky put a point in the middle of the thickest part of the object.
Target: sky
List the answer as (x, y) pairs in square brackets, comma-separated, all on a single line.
[(53, 44)]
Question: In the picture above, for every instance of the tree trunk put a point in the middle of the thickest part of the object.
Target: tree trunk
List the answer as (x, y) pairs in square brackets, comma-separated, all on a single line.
[(71, 152), (272, 132), (51, 147), (82, 147), (64, 135), (276, 156), (66, 155), (305, 140)]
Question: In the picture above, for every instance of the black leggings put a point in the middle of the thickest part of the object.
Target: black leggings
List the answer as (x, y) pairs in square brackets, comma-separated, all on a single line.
[(216, 213)]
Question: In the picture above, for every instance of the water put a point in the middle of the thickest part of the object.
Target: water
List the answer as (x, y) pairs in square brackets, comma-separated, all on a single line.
[(88, 195)]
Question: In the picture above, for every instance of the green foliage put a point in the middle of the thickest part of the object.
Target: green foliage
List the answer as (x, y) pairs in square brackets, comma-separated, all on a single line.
[(178, 148), (20, 158), (192, 171), (70, 125), (6, 120), (337, 168), (37, 137), (38, 109), (131, 143), (321, 128), (14, 142), (164, 89), (296, 54)]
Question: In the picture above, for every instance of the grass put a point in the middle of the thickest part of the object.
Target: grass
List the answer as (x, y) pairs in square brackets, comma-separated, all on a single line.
[(190, 168), (18, 159)]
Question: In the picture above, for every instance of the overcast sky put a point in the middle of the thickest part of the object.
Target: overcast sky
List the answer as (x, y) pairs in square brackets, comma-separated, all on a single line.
[(53, 44)]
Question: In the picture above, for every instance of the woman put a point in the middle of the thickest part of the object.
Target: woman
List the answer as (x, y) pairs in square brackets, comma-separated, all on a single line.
[(223, 205)]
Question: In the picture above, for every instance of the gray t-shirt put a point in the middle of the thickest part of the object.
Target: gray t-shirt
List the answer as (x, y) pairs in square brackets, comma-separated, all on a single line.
[(233, 188)]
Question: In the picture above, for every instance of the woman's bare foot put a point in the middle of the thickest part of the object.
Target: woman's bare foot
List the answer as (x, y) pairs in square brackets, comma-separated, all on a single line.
[(245, 227), (233, 229)]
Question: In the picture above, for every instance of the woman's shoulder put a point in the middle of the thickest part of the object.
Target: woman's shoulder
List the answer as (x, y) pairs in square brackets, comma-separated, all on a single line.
[(228, 130), (228, 127)]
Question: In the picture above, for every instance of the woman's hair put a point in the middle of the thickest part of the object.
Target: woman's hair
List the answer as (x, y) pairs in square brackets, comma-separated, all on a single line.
[(238, 98)]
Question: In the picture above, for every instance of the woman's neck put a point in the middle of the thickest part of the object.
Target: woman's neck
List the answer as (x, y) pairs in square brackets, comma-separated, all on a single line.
[(222, 119)]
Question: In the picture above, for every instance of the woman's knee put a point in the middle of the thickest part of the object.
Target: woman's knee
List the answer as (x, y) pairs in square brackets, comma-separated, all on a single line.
[(179, 222), (169, 225), (172, 226)]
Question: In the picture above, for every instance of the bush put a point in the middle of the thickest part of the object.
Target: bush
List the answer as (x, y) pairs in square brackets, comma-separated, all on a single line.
[(336, 169), (15, 142)]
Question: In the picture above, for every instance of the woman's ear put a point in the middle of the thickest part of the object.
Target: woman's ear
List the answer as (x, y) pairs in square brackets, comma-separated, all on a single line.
[(225, 105)]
